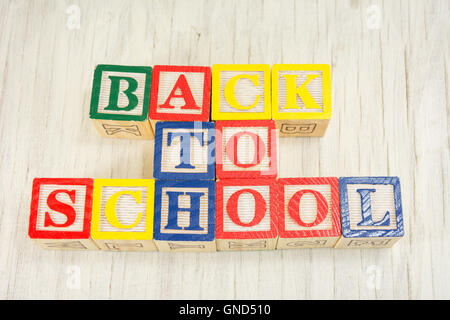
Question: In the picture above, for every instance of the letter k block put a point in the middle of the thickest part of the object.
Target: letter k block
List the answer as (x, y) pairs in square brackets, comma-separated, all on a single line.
[(301, 99), (185, 215), (184, 150), (371, 212), (120, 101)]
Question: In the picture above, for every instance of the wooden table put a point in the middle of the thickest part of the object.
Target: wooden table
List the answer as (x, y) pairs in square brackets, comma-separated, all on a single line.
[(390, 85)]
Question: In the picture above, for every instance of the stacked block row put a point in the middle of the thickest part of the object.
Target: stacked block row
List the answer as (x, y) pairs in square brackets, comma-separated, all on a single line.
[(205, 215), (128, 101)]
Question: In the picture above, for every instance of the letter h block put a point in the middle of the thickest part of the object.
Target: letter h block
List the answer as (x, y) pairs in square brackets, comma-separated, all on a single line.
[(246, 214), (60, 215), (120, 101), (184, 151), (246, 149), (180, 93), (185, 215), (301, 99), (371, 212), (122, 214), (240, 92), (308, 213)]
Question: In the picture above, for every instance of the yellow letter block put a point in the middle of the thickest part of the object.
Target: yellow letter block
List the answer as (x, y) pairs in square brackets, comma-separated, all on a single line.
[(301, 99), (122, 214), (240, 92)]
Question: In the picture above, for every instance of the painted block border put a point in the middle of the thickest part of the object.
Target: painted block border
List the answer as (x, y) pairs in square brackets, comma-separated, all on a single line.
[(204, 116), (94, 114), (42, 234), (346, 231)]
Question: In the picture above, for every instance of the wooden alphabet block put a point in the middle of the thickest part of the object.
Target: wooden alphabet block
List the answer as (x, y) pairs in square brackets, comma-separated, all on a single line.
[(185, 215), (301, 99), (246, 149), (60, 215), (122, 214), (180, 93), (308, 213), (371, 212), (246, 214), (184, 150), (120, 101), (240, 92)]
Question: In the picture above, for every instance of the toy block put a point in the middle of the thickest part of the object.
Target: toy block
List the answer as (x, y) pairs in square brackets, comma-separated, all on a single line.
[(301, 99), (240, 92), (60, 213), (120, 101), (184, 150), (122, 214), (371, 212), (308, 213), (246, 214), (246, 149), (180, 93), (185, 215)]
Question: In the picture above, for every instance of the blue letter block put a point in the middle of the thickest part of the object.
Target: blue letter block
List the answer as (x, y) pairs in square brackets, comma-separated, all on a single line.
[(184, 151), (371, 212)]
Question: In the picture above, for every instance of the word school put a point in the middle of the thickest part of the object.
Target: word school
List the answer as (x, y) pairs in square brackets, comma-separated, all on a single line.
[(208, 215)]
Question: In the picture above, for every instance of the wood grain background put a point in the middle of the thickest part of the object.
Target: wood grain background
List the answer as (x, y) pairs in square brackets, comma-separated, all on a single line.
[(390, 77)]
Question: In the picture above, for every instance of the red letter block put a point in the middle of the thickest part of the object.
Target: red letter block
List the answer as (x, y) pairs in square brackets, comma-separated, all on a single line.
[(180, 93), (308, 212), (246, 214), (246, 149), (61, 213)]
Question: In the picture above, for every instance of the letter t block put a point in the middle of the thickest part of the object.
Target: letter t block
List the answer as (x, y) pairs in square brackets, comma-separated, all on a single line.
[(120, 101), (301, 99), (185, 215), (371, 212)]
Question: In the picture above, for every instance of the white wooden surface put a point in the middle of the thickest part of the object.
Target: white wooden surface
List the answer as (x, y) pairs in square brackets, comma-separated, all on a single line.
[(390, 83)]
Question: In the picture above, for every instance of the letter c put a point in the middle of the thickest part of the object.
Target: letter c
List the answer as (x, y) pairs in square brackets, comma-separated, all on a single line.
[(110, 209)]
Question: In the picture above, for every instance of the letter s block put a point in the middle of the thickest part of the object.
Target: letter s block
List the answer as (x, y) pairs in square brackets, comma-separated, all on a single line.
[(371, 212), (122, 214), (185, 215), (301, 99), (60, 215), (308, 213), (184, 151), (180, 93), (246, 214), (240, 92), (246, 149), (120, 101)]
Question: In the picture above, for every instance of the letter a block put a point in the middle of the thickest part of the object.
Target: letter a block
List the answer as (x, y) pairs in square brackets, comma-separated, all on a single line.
[(240, 92), (301, 99), (308, 213), (185, 215), (120, 101), (60, 215), (180, 93), (122, 214), (371, 212), (184, 151), (246, 214), (246, 149)]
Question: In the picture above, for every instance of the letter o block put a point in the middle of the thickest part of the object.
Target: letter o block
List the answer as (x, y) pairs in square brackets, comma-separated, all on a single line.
[(240, 92), (60, 215), (185, 215), (246, 149), (122, 214), (180, 93), (246, 214), (120, 101), (371, 212), (308, 213), (301, 99)]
